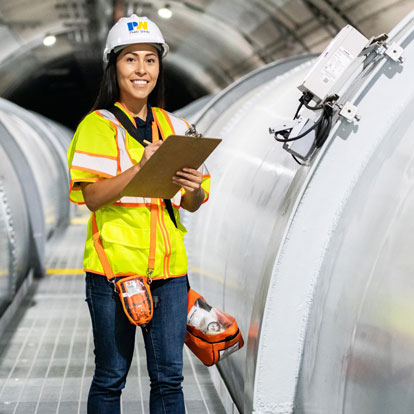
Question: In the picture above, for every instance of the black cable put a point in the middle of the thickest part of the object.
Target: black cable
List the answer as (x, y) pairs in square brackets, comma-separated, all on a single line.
[(297, 160), (297, 110), (322, 126), (313, 108), (303, 133)]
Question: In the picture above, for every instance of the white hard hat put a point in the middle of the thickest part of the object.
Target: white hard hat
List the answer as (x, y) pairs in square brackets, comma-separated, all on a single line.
[(134, 29)]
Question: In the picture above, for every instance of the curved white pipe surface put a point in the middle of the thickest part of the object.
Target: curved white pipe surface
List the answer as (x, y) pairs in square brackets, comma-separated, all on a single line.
[(315, 262)]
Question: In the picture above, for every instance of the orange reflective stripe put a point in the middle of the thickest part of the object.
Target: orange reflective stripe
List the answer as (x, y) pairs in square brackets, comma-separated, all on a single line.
[(72, 187), (164, 232), (169, 277), (206, 196), (186, 123), (100, 250), (103, 274), (153, 234), (155, 135), (131, 204), (154, 214), (167, 243)]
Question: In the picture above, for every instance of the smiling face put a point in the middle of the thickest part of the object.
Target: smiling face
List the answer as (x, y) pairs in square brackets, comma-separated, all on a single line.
[(137, 70)]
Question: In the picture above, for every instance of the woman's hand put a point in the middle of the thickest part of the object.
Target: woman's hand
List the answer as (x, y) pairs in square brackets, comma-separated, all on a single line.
[(149, 152), (190, 179)]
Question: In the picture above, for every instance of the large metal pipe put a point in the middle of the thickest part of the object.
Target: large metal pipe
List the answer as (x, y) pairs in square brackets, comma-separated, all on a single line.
[(231, 240), (33, 193), (315, 262), (14, 228)]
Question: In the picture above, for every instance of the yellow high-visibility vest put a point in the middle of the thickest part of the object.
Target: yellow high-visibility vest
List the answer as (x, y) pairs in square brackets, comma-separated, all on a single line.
[(101, 148)]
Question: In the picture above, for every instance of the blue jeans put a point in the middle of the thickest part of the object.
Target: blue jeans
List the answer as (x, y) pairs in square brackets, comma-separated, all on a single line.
[(114, 338)]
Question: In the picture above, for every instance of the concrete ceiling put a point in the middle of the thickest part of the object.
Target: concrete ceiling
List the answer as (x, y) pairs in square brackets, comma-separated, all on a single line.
[(213, 42)]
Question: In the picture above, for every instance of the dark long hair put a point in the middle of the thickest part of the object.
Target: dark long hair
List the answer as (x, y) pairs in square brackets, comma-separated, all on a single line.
[(109, 89)]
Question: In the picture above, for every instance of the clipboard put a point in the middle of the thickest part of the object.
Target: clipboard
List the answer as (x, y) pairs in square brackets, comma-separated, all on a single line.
[(176, 152)]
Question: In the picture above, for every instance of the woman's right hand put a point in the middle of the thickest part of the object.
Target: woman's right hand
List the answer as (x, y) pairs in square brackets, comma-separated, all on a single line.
[(149, 152), (108, 190)]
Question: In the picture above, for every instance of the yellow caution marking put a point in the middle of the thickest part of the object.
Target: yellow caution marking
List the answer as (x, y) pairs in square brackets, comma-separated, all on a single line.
[(80, 220), (214, 276), (65, 271)]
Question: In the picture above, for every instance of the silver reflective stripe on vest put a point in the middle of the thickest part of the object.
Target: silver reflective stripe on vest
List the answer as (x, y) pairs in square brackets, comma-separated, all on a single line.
[(124, 159), (180, 127), (134, 200), (94, 163), (176, 200)]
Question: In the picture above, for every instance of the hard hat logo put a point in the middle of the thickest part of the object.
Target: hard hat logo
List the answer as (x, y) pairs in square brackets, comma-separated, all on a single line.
[(132, 26), (134, 29)]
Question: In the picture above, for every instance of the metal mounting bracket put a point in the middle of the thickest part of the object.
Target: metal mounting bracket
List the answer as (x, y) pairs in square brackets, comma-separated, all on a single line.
[(394, 51), (349, 112)]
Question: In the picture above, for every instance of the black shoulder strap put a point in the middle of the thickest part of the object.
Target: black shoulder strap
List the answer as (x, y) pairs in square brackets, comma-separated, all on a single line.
[(126, 123), (129, 126), (170, 210)]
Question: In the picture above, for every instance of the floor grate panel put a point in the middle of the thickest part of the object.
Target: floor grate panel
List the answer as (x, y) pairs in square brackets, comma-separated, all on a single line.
[(46, 353)]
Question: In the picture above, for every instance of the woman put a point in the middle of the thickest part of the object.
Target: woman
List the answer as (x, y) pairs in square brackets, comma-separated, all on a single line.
[(133, 235)]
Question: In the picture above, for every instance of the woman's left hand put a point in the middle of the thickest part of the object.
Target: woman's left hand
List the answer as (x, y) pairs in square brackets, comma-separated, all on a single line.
[(190, 179)]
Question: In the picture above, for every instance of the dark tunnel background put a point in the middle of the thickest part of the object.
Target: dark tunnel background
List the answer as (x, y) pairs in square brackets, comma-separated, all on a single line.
[(66, 90)]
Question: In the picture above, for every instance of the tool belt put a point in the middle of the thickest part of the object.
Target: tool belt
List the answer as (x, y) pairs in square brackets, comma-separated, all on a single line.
[(211, 334)]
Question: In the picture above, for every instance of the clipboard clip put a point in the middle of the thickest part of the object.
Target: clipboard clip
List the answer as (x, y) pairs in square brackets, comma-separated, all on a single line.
[(192, 132)]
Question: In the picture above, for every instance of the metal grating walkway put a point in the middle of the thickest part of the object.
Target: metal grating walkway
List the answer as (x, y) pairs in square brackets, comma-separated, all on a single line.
[(46, 353)]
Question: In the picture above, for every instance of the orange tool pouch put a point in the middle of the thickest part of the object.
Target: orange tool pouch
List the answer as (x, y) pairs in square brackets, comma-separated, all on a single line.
[(211, 334), (134, 291), (136, 299)]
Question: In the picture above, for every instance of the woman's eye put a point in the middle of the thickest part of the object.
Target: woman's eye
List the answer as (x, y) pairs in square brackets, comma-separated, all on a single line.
[(151, 60), (130, 59)]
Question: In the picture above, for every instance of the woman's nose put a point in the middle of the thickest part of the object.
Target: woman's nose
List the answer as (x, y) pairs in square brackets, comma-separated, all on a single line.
[(140, 68)]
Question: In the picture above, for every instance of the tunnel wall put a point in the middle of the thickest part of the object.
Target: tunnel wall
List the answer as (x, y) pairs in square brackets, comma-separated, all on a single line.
[(314, 261)]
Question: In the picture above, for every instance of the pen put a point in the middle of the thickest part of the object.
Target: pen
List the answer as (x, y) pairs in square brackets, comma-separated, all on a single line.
[(147, 142)]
